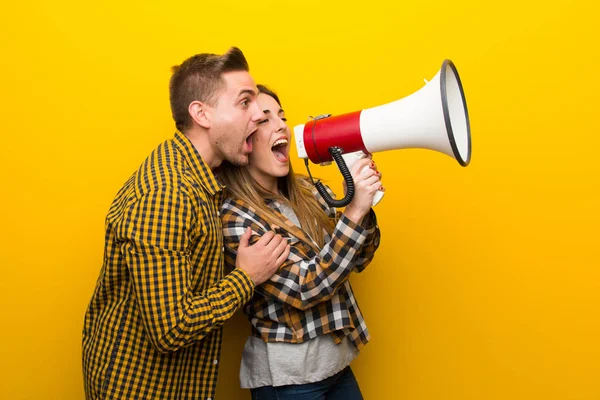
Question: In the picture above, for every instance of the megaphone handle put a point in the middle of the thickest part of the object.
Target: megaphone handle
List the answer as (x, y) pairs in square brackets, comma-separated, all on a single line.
[(351, 159)]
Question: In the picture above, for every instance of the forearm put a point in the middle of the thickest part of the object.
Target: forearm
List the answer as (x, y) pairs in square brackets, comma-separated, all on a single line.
[(197, 315), (156, 244), (371, 243)]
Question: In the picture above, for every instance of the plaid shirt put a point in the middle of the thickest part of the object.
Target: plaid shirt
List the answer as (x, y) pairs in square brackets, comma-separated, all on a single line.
[(153, 327), (310, 294)]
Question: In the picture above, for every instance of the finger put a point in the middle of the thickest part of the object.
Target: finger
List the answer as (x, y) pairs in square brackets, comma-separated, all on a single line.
[(359, 165), (284, 256), (376, 173), (280, 248), (370, 181), (375, 187), (245, 238), (265, 239), (365, 174), (274, 243), (367, 162)]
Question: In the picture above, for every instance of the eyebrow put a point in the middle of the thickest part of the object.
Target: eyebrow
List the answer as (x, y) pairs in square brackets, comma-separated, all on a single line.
[(278, 112), (246, 91)]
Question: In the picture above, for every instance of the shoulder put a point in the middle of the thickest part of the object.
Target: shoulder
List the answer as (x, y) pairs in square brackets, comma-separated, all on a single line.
[(161, 170), (235, 208), (235, 212)]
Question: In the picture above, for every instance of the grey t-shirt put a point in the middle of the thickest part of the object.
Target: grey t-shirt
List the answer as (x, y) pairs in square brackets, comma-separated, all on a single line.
[(278, 364)]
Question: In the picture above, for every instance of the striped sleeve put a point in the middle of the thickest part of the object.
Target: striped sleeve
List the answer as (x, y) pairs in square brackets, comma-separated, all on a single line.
[(156, 233)]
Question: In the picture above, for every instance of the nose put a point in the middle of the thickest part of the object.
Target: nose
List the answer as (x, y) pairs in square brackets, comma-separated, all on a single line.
[(282, 125), (257, 113)]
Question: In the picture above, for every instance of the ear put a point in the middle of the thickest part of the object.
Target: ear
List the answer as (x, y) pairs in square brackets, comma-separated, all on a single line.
[(200, 113)]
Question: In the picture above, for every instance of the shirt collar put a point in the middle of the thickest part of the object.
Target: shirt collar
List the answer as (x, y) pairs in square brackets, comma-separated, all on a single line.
[(203, 173)]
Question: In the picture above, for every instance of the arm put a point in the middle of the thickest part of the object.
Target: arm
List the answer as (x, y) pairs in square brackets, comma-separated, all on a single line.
[(156, 232), (369, 223), (301, 281), (367, 251)]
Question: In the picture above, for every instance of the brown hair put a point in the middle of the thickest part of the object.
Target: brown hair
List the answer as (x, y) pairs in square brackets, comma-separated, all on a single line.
[(295, 191), (199, 78)]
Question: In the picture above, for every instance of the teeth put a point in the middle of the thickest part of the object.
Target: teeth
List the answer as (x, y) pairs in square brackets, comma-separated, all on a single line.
[(280, 141)]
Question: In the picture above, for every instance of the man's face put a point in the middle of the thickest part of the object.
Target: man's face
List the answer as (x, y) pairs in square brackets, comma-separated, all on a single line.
[(235, 117)]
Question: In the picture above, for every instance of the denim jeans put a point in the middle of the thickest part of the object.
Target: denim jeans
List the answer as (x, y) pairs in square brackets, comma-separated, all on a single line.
[(341, 386)]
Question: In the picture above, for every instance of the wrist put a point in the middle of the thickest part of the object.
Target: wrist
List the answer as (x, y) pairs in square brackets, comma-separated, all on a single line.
[(248, 275), (354, 215), (245, 271)]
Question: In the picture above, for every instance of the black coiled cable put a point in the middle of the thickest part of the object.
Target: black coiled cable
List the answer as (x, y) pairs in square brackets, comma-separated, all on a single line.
[(336, 154)]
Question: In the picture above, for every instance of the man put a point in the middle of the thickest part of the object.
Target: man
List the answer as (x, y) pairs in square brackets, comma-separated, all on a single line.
[(153, 327)]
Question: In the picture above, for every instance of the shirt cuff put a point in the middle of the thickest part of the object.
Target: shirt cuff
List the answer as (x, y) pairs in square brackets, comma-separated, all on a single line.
[(242, 285), (370, 222)]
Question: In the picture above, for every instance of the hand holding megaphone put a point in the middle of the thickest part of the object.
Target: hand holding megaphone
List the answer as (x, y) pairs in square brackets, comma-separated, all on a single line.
[(434, 118), (367, 184), (351, 159)]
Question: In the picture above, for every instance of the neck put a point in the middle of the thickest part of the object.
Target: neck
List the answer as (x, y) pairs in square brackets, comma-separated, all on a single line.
[(199, 139), (268, 182)]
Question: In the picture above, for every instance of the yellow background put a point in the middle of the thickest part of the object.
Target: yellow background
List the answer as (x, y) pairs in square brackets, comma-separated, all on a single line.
[(486, 285)]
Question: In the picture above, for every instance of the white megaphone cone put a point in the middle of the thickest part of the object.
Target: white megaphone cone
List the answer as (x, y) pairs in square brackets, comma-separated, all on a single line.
[(434, 118)]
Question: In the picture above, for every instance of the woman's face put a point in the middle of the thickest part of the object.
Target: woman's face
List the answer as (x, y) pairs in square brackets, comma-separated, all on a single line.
[(270, 144)]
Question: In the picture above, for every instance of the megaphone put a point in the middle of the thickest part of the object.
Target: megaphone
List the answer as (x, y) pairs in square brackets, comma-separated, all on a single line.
[(435, 118)]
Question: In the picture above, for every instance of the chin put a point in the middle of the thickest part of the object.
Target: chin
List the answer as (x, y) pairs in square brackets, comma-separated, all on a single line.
[(283, 171), (239, 160)]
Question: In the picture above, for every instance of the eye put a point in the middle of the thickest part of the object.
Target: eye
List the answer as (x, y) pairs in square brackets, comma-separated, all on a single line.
[(245, 102), (263, 121), (284, 119)]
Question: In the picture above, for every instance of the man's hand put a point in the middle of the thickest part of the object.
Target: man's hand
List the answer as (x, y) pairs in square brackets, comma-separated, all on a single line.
[(261, 260)]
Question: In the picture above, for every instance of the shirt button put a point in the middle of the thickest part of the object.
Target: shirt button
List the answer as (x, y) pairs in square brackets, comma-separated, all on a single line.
[(216, 362), (218, 213)]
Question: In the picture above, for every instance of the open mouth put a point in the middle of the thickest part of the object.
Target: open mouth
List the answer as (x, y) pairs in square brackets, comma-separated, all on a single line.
[(249, 141), (281, 150)]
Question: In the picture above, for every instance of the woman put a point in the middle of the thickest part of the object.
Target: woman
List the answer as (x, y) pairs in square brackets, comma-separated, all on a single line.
[(306, 324)]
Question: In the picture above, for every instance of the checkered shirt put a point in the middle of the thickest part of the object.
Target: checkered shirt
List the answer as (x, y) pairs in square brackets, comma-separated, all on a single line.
[(153, 327), (310, 294)]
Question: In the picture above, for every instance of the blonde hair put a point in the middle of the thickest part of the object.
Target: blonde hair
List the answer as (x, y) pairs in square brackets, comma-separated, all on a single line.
[(295, 191)]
